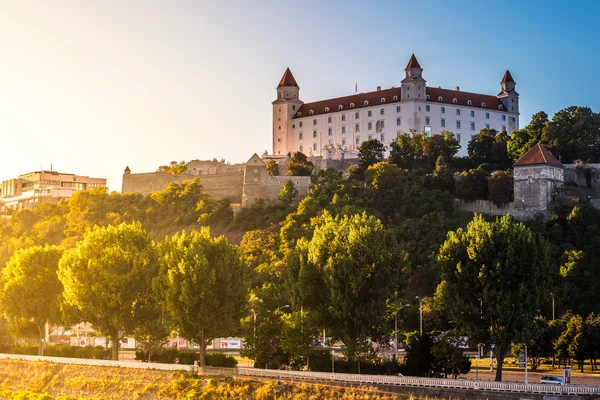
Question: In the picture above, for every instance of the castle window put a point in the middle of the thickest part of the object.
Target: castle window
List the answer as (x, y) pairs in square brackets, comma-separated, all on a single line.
[(427, 121), (294, 108), (442, 122), (382, 138), (380, 126), (351, 105), (343, 129), (487, 126), (487, 115), (314, 121), (293, 126), (503, 128), (358, 140), (366, 103), (483, 105), (326, 109), (439, 98), (472, 114), (443, 110), (395, 98), (383, 99), (514, 119), (370, 126), (300, 124), (328, 120), (301, 148), (382, 111), (343, 117), (472, 126), (458, 137), (457, 124), (343, 142), (427, 108), (454, 100), (458, 111), (314, 134), (356, 115), (314, 146), (469, 102), (398, 121), (311, 112), (369, 113), (298, 114), (500, 107), (503, 117), (370, 137), (330, 132), (428, 97), (398, 109), (357, 128), (300, 136), (340, 107)]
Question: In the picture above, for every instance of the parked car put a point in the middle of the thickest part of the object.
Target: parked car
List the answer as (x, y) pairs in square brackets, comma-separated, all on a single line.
[(552, 380)]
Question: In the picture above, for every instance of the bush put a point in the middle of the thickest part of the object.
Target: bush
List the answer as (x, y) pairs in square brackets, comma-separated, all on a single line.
[(472, 185), (320, 361), (98, 352), (168, 356)]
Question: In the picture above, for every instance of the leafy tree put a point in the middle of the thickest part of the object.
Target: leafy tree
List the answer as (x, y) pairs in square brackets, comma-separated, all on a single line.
[(107, 274), (573, 339), (288, 194), (173, 168), (299, 165), (495, 277), (153, 329), (501, 188), (448, 358), (345, 275), (574, 134), (370, 152), (30, 289), (443, 177), (203, 285), (273, 168), (524, 139), (408, 152), (418, 360), (480, 146), (472, 185), (538, 338), (444, 145), (500, 158)]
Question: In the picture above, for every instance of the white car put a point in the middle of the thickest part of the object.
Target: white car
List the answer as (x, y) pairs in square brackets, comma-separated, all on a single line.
[(552, 380)]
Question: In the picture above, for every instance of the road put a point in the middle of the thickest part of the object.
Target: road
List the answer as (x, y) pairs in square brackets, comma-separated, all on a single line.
[(533, 377)]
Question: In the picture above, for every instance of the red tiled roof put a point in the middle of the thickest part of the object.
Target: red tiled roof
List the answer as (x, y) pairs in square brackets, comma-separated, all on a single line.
[(538, 155), (287, 79), (507, 78), (374, 98), (413, 63)]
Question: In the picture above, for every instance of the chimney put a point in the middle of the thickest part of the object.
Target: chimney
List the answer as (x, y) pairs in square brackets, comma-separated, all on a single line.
[(378, 88), (457, 88)]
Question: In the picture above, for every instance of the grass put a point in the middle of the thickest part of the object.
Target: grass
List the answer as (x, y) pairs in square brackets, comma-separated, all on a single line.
[(22, 380)]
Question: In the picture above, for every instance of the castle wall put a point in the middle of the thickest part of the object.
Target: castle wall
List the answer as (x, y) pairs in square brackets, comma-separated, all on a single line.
[(269, 187), (578, 175), (487, 207), (217, 185), (534, 186)]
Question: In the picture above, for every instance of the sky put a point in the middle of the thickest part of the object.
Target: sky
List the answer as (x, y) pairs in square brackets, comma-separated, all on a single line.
[(95, 86)]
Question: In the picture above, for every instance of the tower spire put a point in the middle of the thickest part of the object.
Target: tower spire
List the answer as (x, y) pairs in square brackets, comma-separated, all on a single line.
[(413, 63), (287, 79), (507, 77)]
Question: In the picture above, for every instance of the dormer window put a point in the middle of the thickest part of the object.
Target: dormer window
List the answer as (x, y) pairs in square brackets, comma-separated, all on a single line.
[(483, 105), (383, 99), (340, 107), (428, 97), (366, 103), (454, 100), (298, 114), (351, 105), (326, 109), (311, 112), (500, 107), (395, 98), (439, 98), (469, 102)]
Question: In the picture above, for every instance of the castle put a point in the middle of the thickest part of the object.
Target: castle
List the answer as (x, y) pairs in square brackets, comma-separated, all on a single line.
[(335, 128)]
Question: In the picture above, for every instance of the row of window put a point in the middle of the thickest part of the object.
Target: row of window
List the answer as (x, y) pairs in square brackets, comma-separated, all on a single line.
[(357, 140)]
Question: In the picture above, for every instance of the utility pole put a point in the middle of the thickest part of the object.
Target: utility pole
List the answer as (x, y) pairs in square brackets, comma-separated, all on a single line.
[(396, 330), (526, 381), (420, 315)]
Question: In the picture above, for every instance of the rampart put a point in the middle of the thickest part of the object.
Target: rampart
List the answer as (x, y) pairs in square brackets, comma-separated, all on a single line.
[(269, 188), (583, 175)]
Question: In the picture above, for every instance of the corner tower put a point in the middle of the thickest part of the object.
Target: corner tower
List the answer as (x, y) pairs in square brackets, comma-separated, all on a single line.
[(413, 84), (510, 99), (284, 108)]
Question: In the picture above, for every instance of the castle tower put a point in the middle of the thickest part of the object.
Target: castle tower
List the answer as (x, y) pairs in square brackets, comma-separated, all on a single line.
[(413, 93), (284, 109), (536, 175), (510, 99)]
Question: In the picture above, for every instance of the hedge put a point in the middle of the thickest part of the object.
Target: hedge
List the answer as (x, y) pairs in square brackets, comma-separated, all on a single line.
[(187, 357), (98, 352)]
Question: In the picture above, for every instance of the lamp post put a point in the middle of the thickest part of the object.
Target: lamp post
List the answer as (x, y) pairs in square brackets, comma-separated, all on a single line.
[(552, 294), (420, 315), (396, 330), (255, 314)]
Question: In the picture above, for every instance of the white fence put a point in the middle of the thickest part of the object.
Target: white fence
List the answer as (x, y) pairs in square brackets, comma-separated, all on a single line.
[(327, 376), (423, 382)]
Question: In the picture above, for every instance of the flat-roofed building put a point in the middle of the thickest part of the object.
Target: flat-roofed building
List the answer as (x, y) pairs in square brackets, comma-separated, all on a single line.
[(33, 188)]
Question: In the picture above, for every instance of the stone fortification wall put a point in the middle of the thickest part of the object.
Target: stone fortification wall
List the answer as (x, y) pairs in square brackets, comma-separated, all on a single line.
[(217, 185), (486, 207), (580, 175), (269, 187), (535, 184)]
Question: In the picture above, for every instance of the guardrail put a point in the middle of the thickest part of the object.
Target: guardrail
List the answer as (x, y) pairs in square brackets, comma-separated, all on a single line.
[(423, 382)]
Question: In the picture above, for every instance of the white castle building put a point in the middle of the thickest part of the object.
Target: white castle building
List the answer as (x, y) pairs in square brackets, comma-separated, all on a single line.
[(335, 128)]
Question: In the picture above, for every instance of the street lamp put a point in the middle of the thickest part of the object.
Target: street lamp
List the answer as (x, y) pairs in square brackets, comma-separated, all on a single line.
[(396, 330), (420, 315), (255, 314), (552, 294), (279, 308)]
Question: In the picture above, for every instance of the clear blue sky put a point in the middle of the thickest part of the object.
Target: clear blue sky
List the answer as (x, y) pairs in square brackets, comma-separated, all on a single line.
[(94, 86)]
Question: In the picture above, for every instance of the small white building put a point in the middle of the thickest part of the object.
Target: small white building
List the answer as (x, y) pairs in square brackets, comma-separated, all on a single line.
[(334, 128)]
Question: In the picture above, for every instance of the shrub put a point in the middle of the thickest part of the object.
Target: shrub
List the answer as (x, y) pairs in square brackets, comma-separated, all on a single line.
[(168, 356), (98, 352)]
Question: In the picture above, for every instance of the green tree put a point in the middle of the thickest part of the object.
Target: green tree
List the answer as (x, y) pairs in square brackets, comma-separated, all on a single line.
[(495, 275), (299, 165), (30, 289), (106, 275), (203, 285), (522, 140), (408, 152), (273, 168), (449, 358), (173, 168), (538, 338), (472, 185), (480, 147), (288, 194), (574, 134), (419, 360), (370, 152), (444, 145), (345, 276), (501, 188)]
